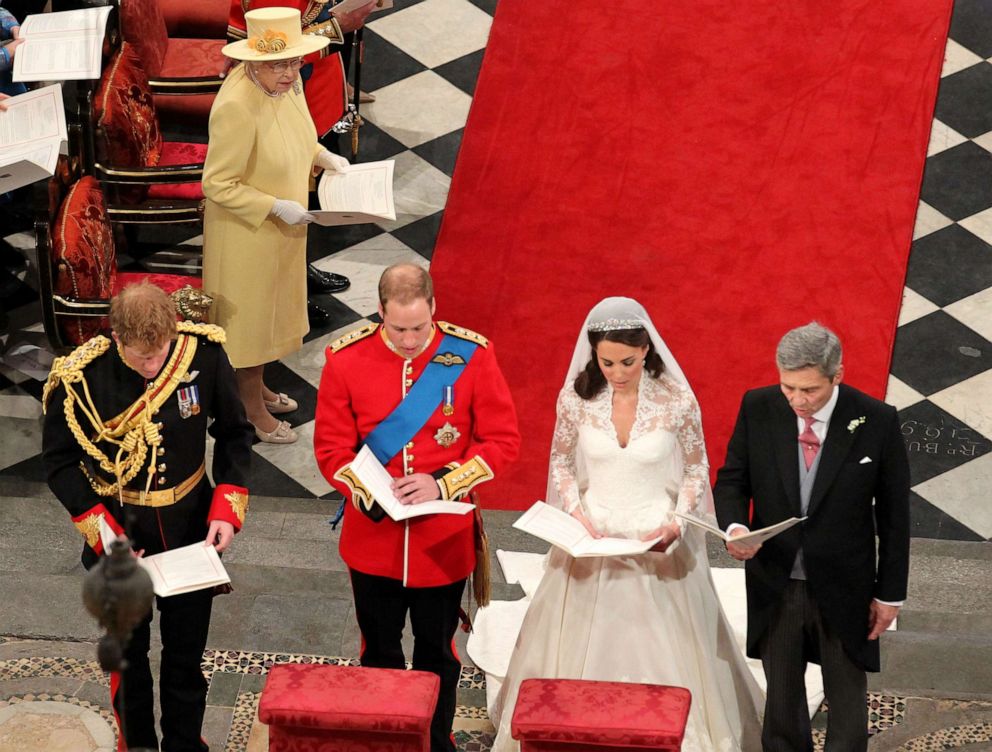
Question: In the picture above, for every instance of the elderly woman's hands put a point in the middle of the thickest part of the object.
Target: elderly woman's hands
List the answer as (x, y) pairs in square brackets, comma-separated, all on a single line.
[(291, 212), (330, 161)]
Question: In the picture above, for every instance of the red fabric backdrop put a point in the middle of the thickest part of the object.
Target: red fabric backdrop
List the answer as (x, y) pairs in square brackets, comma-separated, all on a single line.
[(739, 169)]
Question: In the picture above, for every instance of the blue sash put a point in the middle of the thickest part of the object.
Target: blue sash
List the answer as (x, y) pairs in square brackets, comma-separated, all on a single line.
[(413, 412)]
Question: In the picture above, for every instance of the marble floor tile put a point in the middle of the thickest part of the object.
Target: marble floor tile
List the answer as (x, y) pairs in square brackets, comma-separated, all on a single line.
[(979, 224), (970, 401), (20, 439), (308, 361), (16, 403), (419, 108), (914, 306), (942, 137), (435, 32), (975, 312), (957, 58), (364, 264), (901, 395), (985, 141), (419, 190), (297, 460), (957, 492), (928, 220)]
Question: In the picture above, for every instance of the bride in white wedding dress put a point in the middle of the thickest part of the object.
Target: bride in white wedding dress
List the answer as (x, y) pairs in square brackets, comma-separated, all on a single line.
[(627, 451)]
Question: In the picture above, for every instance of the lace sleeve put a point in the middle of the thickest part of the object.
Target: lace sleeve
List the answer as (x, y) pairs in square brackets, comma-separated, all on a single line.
[(563, 466), (694, 488)]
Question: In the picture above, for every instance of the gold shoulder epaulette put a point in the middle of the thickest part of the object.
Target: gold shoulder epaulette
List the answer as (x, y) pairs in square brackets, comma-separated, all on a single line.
[(211, 331), (463, 333), (70, 367), (355, 335)]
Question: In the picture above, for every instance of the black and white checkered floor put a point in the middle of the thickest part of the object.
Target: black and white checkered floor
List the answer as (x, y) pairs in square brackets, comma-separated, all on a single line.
[(422, 61)]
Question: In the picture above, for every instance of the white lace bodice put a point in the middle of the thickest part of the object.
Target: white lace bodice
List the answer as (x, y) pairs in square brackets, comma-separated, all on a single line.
[(628, 491)]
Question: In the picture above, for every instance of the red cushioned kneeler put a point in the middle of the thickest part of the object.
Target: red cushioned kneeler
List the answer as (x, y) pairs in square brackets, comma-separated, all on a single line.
[(348, 709), (571, 715)]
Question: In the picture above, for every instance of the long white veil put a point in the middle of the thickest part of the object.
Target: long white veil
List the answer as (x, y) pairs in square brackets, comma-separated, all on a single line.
[(611, 314)]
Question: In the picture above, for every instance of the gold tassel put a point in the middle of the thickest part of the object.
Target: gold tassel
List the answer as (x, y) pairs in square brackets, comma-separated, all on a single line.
[(481, 576)]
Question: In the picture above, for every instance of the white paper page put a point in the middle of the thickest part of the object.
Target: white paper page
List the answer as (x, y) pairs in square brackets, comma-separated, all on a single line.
[(365, 188), (379, 483), (107, 535), (66, 21), (752, 538), (33, 119), (183, 570), (24, 171), (53, 59), (563, 530)]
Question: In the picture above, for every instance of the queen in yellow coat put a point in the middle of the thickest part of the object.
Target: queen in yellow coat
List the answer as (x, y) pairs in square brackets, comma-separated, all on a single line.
[(263, 149)]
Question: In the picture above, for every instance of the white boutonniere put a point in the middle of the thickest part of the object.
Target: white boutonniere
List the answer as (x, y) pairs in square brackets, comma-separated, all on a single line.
[(853, 425)]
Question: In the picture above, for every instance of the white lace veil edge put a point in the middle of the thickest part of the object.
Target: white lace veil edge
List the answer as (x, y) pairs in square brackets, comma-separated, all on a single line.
[(621, 313)]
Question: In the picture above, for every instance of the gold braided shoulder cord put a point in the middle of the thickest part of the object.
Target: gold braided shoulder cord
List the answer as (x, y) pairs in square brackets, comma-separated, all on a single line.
[(211, 331), (134, 431), (314, 7)]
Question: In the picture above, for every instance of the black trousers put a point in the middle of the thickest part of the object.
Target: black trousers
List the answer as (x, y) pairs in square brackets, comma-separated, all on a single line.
[(381, 604), (786, 727), (184, 621)]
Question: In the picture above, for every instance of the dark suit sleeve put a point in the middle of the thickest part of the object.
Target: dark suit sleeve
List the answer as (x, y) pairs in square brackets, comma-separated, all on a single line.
[(892, 514), (732, 492)]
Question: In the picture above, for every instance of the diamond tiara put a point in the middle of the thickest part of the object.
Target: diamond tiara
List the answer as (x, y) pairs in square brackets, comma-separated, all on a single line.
[(613, 324)]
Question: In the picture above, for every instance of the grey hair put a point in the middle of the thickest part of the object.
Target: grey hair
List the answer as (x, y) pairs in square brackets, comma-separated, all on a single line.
[(810, 346)]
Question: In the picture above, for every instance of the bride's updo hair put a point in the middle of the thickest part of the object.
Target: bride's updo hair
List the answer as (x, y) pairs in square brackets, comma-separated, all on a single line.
[(591, 381)]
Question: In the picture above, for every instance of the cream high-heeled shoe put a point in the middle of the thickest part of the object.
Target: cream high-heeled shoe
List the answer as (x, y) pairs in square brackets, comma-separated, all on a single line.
[(283, 434), (283, 403)]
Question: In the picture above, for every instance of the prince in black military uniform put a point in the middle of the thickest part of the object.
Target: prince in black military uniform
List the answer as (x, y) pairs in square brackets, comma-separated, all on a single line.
[(125, 441)]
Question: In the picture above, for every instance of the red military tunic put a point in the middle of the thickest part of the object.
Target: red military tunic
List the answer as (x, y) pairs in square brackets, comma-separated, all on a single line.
[(363, 381)]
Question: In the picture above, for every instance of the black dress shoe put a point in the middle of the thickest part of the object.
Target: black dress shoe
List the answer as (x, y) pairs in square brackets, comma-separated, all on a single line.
[(319, 282), (317, 315)]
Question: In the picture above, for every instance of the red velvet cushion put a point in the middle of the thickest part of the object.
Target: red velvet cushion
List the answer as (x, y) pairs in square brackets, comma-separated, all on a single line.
[(184, 109), (349, 698), (590, 713), (168, 282), (143, 26), (174, 153), (84, 260), (125, 113), (192, 57)]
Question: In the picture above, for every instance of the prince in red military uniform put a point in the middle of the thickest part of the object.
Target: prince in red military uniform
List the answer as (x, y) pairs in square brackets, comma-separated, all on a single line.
[(372, 376)]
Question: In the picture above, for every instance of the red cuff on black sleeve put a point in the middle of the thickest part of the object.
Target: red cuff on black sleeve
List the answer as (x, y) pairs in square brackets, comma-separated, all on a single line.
[(230, 504), (88, 523)]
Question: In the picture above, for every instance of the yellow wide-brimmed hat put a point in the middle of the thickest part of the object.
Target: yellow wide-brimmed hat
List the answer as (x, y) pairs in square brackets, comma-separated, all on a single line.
[(274, 34)]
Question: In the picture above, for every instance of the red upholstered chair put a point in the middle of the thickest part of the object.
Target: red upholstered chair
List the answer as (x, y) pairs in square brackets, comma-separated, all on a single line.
[(184, 71), (77, 261), (568, 715), (127, 148), (204, 19), (348, 709)]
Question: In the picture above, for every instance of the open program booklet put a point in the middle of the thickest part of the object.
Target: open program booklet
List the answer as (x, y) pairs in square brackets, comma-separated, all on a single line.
[(181, 570), (32, 135), (564, 531), (360, 193), (62, 46), (752, 538), (379, 483)]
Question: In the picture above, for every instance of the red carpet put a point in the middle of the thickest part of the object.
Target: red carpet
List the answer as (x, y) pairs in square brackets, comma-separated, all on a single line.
[(739, 169)]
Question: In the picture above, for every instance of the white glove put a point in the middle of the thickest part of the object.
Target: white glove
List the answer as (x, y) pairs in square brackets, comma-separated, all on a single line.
[(291, 212), (332, 162)]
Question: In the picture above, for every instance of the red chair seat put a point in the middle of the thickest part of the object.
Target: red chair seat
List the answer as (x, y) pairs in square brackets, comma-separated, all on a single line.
[(176, 153), (168, 282), (348, 708), (591, 716), (185, 58)]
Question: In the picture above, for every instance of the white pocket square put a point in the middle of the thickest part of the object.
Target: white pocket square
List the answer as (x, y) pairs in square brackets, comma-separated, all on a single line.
[(864, 460)]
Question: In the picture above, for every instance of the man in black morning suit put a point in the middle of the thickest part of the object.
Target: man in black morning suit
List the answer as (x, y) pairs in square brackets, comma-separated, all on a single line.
[(817, 592)]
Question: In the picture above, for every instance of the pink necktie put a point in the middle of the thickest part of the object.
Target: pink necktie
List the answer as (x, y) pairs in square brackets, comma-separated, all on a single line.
[(810, 443)]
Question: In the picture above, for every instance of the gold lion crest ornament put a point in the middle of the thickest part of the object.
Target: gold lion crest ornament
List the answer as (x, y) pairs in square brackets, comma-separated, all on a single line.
[(447, 435)]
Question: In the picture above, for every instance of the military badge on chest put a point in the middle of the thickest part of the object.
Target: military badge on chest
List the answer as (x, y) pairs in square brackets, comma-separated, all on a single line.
[(189, 401), (447, 435)]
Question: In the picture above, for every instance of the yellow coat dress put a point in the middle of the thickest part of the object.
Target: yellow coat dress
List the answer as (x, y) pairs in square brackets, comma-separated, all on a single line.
[(254, 266)]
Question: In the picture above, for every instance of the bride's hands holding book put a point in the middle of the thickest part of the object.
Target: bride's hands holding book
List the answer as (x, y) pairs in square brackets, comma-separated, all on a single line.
[(669, 534), (593, 532)]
